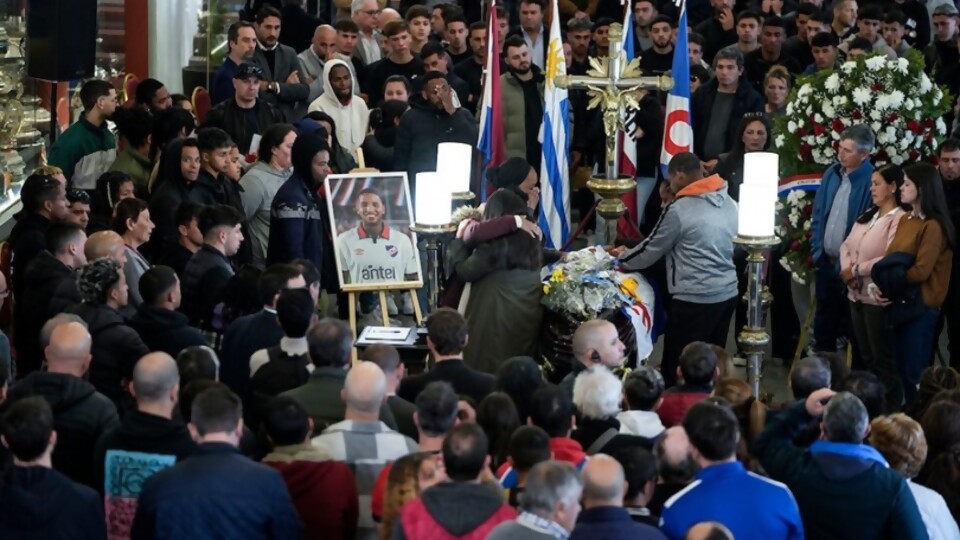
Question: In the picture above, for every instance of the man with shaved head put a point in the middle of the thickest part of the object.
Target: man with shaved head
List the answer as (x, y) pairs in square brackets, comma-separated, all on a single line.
[(149, 430), (322, 46), (362, 440), (81, 415), (595, 343), (603, 514), (675, 467), (105, 244)]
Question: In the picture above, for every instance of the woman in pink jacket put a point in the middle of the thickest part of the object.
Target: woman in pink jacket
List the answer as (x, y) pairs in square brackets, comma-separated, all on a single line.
[(867, 244)]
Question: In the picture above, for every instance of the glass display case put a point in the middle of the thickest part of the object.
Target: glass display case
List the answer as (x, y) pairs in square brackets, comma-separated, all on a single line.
[(210, 43), (24, 118)]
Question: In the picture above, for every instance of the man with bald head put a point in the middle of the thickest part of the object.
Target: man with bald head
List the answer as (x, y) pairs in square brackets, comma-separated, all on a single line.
[(150, 429), (362, 440), (603, 514), (105, 244), (322, 46), (81, 415), (595, 343), (675, 467), (709, 530)]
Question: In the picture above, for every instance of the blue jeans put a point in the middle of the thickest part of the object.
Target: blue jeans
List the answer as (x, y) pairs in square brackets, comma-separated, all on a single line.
[(915, 350)]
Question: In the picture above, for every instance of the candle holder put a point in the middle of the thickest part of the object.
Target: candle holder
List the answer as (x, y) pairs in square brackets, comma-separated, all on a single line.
[(753, 338), (434, 207), (755, 234)]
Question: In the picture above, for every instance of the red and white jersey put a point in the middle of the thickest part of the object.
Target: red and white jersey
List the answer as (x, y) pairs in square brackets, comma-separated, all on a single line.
[(386, 258)]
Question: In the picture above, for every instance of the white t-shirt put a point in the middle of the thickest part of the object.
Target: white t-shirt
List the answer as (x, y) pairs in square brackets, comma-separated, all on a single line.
[(376, 260)]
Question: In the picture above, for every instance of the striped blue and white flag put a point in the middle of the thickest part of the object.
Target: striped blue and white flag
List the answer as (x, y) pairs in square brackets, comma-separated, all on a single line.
[(554, 217)]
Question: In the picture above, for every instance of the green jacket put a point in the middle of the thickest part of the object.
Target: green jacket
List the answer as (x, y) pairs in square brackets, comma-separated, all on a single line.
[(137, 166), (514, 123), (84, 152), (321, 398)]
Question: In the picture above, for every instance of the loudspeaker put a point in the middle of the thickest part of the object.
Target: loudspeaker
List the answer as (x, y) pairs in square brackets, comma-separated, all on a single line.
[(61, 39)]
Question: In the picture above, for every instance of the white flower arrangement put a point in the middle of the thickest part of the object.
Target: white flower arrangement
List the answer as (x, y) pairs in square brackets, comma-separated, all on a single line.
[(895, 98)]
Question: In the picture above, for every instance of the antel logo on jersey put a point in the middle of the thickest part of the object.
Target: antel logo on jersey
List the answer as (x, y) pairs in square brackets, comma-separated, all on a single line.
[(392, 251), (378, 273)]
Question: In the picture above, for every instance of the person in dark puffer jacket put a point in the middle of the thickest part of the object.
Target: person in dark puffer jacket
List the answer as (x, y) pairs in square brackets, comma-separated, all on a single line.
[(160, 325), (116, 346), (36, 501), (80, 414)]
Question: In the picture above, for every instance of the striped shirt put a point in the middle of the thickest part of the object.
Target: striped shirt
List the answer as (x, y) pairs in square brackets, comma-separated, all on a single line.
[(367, 447)]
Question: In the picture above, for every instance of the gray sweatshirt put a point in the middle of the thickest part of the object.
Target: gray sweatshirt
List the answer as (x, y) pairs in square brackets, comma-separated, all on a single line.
[(695, 234), (259, 185)]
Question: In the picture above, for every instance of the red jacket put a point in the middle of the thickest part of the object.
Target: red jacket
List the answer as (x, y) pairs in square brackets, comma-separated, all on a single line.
[(453, 511), (325, 495), (676, 402)]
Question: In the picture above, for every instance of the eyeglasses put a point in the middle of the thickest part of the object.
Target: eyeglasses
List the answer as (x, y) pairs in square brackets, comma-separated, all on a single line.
[(372, 12)]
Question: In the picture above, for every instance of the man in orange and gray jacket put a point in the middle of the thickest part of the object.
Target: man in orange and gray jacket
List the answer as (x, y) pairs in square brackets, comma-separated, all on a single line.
[(695, 234)]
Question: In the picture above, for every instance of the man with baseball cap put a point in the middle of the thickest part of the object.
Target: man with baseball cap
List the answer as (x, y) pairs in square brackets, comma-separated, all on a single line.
[(245, 117)]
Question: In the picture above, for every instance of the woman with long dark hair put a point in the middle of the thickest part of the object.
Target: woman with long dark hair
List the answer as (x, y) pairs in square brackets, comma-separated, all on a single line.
[(502, 301), (753, 135), (867, 244), (925, 233)]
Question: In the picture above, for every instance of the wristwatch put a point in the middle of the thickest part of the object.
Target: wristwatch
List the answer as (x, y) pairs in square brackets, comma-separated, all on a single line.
[(274, 87)]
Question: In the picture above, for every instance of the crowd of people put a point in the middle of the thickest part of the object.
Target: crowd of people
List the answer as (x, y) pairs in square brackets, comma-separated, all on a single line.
[(180, 365)]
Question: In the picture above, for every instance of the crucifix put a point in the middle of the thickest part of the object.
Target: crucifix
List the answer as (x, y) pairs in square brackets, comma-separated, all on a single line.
[(615, 86)]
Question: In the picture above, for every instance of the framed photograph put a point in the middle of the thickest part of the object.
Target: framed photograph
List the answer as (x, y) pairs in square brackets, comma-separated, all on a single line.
[(371, 218)]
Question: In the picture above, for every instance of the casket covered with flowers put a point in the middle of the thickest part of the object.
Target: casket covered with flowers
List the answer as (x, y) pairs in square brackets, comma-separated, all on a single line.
[(585, 286)]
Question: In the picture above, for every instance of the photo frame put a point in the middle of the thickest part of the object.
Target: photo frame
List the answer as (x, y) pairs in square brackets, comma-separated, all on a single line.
[(371, 216)]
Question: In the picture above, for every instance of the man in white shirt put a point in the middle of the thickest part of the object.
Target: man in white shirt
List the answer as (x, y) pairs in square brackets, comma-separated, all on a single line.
[(372, 252)]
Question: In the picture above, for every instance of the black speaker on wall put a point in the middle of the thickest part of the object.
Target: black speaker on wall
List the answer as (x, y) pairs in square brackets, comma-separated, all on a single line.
[(61, 39)]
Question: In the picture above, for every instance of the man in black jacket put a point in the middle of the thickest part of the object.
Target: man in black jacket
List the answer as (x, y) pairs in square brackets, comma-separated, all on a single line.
[(80, 413), (261, 330), (431, 120), (718, 106), (49, 272), (446, 339), (150, 429), (718, 31), (246, 114), (216, 491), (209, 269), (44, 201), (283, 86), (35, 500), (160, 325)]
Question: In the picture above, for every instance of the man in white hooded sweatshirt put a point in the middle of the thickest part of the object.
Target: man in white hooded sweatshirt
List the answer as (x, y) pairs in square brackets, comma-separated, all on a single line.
[(339, 101)]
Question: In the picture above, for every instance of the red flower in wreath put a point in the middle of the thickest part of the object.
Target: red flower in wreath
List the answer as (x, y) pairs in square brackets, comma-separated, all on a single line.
[(838, 126), (857, 114), (818, 129)]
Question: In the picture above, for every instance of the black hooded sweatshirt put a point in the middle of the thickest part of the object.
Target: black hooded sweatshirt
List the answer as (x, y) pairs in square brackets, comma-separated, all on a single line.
[(81, 415), (145, 433), (37, 503), (116, 348), (45, 278), (165, 330)]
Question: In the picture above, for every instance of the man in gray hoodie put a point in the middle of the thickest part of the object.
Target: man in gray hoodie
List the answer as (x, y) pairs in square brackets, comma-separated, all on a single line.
[(695, 234)]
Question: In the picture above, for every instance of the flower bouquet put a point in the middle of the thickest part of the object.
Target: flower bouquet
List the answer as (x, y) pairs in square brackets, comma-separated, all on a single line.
[(795, 216), (899, 102)]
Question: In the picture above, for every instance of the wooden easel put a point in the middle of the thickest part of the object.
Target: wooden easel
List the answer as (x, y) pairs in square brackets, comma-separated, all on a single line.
[(353, 290)]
